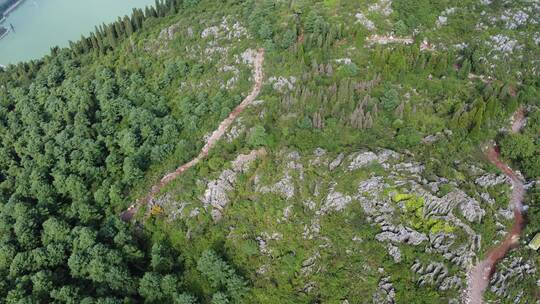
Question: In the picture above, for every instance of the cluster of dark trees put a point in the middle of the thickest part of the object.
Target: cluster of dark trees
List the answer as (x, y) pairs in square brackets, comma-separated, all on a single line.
[(72, 147)]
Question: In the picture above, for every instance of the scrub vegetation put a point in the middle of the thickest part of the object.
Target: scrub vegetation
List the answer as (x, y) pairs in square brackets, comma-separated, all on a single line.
[(356, 176)]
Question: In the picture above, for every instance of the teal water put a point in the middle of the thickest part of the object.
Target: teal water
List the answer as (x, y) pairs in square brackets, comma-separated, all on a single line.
[(42, 24)]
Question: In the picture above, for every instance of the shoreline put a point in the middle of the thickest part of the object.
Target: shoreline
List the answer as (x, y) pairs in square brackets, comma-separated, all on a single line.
[(5, 34), (11, 9), (5, 14)]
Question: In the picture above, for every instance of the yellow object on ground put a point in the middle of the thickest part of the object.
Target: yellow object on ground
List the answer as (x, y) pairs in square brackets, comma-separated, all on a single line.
[(156, 210), (535, 243), (401, 197)]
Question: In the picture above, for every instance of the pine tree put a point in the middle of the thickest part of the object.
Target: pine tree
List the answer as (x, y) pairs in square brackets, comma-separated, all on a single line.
[(119, 28), (128, 26), (317, 120), (111, 35)]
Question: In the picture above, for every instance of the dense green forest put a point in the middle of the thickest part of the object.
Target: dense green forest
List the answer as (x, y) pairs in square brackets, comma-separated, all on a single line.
[(87, 130)]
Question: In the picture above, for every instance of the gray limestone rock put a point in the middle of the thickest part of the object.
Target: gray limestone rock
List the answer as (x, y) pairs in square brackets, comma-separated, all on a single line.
[(216, 194), (284, 187), (386, 293), (362, 19), (362, 159), (469, 207), (504, 44), (394, 252), (490, 180), (509, 273), (336, 162), (433, 274), (335, 201), (283, 84), (452, 282), (320, 158), (168, 32), (404, 235), (210, 31)]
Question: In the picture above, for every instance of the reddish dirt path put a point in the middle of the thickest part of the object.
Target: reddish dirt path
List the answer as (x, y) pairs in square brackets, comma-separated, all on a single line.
[(258, 76), (480, 275)]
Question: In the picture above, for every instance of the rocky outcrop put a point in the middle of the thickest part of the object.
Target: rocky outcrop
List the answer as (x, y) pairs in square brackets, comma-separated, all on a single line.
[(445, 244), (375, 196), (432, 274), (264, 239), (309, 266), (169, 32), (362, 19), (383, 7), (509, 271), (235, 131), (216, 195), (247, 57), (285, 186), (468, 206), (452, 282), (225, 30), (503, 44), (435, 274), (282, 84), (335, 202), (394, 252), (362, 159), (490, 180), (336, 162), (401, 234), (386, 292), (319, 157), (312, 230)]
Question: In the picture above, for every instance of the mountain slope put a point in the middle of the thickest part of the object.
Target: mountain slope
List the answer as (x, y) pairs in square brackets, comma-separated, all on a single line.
[(356, 175)]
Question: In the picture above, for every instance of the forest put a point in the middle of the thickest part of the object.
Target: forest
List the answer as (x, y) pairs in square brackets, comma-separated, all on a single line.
[(86, 130)]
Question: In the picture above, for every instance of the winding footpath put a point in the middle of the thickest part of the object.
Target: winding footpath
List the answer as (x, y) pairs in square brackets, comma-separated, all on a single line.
[(258, 76), (479, 276)]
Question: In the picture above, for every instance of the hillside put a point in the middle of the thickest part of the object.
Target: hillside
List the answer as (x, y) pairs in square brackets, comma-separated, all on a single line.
[(332, 151)]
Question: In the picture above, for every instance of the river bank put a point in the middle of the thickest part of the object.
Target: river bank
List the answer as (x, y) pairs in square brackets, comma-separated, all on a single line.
[(3, 32), (11, 9)]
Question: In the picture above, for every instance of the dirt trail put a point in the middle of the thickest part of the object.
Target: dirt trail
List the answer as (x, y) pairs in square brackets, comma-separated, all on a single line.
[(480, 275), (258, 76)]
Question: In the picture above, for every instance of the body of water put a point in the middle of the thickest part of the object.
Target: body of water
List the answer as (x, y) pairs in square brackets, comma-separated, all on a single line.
[(42, 24)]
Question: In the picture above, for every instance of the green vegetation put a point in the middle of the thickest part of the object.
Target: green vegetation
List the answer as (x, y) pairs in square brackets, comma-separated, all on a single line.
[(415, 215), (85, 131)]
